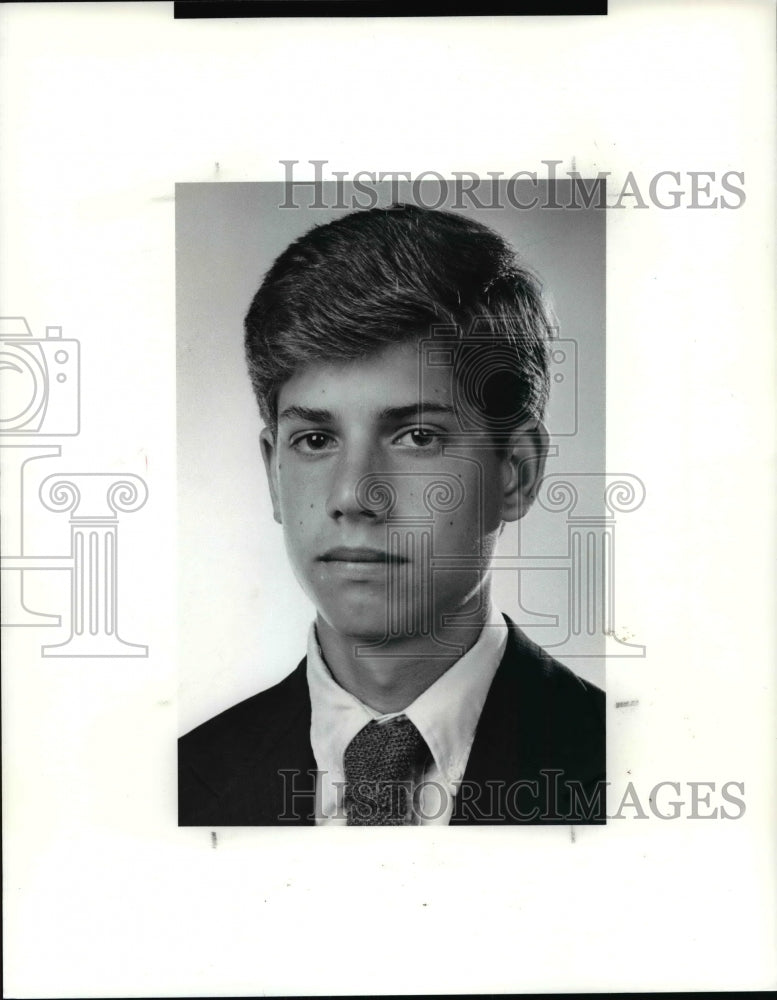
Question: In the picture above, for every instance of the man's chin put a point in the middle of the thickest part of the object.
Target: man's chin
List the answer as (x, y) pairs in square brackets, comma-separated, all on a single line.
[(359, 628)]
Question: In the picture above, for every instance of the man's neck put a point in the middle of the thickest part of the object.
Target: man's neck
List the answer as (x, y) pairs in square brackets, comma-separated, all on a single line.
[(400, 669)]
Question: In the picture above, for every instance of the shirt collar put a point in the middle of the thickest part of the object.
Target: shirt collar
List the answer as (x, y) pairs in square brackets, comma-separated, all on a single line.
[(446, 713)]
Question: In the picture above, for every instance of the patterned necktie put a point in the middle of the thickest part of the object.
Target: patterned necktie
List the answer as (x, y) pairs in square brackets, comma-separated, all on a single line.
[(381, 763)]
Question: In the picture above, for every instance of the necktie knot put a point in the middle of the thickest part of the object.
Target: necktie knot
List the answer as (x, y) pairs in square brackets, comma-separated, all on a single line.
[(382, 762)]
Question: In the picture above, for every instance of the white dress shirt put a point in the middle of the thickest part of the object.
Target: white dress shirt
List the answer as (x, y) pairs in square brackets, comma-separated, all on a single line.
[(446, 714)]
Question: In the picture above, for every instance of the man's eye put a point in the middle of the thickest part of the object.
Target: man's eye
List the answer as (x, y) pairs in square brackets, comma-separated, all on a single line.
[(419, 437), (313, 441)]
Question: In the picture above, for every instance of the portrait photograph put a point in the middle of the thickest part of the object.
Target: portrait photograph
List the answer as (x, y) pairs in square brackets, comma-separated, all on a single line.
[(416, 395)]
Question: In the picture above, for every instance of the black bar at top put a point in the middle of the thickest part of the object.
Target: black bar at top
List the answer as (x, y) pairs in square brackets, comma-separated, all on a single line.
[(381, 8)]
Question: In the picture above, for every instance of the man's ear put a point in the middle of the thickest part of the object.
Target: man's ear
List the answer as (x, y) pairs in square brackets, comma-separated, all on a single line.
[(523, 469), (268, 446)]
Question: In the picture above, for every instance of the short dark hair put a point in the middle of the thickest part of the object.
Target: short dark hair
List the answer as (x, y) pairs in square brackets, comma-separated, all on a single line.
[(389, 275)]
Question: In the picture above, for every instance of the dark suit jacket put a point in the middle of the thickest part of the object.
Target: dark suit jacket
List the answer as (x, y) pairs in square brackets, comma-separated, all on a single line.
[(538, 755)]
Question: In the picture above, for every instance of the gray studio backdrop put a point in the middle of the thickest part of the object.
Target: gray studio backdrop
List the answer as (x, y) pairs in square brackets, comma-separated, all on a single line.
[(243, 619)]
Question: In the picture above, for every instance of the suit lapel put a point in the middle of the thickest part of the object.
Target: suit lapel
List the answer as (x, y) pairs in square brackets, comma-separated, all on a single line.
[(541, 732), (494, 757), (503, 781), (285, 792)]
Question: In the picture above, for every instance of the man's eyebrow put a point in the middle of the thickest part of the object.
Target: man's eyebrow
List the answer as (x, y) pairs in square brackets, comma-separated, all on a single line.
[(415, 410), (390, 413), (306, 413)]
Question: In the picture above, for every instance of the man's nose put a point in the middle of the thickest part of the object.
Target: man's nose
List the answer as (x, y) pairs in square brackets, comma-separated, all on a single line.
[(355, 489)]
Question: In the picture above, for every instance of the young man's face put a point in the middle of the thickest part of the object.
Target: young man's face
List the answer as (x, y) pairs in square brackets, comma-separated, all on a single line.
[(390, 513)]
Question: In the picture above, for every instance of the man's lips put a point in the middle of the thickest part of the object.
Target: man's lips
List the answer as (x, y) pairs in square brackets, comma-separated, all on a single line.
[(360, 555)]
